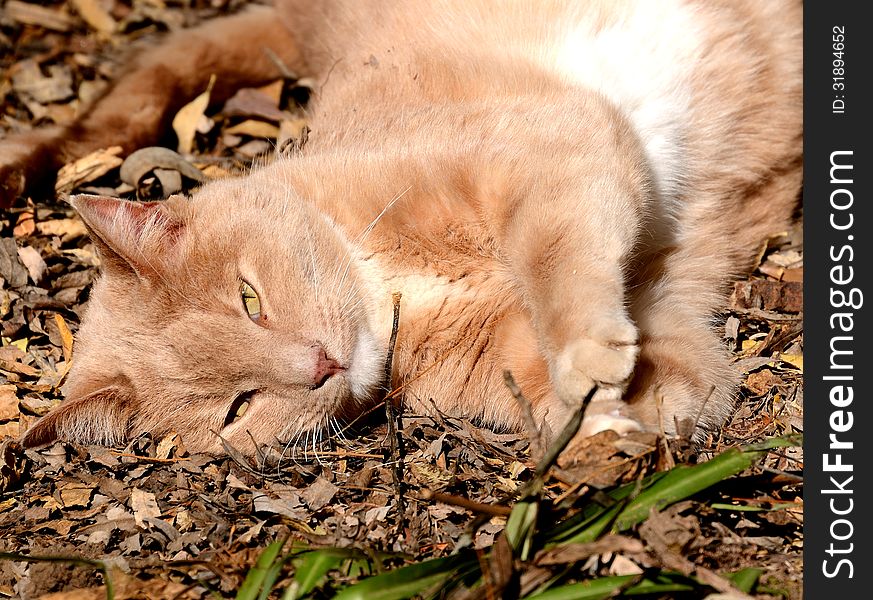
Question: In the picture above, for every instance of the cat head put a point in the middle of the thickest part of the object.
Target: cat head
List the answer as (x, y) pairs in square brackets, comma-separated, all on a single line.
[(240, 313)]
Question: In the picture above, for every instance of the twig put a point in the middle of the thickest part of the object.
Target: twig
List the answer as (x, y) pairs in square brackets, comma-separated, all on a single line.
[(489, 509), (393, 429), (567, 434), (535, 432)]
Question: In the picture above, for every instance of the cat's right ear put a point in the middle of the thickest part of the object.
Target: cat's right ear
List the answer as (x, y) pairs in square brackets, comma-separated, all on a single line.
[(101, 417), (138, 237)]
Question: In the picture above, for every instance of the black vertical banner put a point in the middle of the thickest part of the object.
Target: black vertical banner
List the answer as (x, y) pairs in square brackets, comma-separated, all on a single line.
[(838, 426)]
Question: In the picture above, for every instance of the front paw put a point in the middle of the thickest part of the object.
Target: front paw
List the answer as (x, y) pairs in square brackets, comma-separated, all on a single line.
[(606, 361)]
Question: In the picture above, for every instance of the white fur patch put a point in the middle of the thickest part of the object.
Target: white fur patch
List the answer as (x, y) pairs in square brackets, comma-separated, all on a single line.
[(640, 64), (366, 365)]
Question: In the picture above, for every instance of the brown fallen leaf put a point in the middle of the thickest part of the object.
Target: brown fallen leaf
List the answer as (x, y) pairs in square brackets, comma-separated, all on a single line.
[(127, 587), (254, 128), (25, 225), (93, 13), (319, 493), (75, 495), (186, 120), (29, 81), (780, 296), (33, 262), (10, 429), (19, 368), (144, 505), (11, 268), (147, 160), (33, 14), (67, 229), (13, 464), (8, 402), (87, 169), (250, 102)]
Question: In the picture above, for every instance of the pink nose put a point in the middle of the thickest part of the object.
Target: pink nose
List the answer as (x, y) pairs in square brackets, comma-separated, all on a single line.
[(325, 367)]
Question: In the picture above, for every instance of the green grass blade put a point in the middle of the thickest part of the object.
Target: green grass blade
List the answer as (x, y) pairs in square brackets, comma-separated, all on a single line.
[(595, 513), (313, 568), (520, 527), (677, 484), (682, 482), (407, 581), (258, 574), (746, 579), (606, 587)]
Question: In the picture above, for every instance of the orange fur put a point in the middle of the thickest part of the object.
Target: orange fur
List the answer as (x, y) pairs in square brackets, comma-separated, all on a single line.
[(563, 189)]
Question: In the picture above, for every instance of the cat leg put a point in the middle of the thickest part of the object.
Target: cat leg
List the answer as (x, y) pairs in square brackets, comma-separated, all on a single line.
[(684, 372), (137, 109), (567, 249)]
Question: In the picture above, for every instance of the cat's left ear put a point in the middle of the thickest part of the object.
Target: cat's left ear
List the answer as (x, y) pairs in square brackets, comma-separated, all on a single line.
[(138, 237)]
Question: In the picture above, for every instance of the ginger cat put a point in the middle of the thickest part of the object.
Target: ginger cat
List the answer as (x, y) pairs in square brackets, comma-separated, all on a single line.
[(563, 189)]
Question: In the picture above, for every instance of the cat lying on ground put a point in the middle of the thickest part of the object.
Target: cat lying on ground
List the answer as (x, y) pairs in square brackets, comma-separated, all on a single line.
[(562, 189)]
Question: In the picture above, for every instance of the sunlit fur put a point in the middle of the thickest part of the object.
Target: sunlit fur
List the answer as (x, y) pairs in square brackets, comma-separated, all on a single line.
[(561, 189)]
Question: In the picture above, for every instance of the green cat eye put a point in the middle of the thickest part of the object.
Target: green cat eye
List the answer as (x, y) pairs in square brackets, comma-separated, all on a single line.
[(250, 299)]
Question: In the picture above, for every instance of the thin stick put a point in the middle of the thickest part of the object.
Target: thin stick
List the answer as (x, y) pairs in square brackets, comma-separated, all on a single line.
[(393, 429), (537, 441), (467, 504), (570, 430)]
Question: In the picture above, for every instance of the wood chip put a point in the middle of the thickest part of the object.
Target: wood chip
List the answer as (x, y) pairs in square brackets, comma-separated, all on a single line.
[(33, 14), (95, 15)]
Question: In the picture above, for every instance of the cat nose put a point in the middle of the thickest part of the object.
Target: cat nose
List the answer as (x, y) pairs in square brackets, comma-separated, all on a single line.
[(325, 367)]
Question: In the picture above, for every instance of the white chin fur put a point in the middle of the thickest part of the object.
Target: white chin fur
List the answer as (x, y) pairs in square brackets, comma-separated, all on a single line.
[(366, 365)]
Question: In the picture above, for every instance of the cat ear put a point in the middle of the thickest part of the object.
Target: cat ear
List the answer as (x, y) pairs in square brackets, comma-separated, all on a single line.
[(142, 237), (102, 417)]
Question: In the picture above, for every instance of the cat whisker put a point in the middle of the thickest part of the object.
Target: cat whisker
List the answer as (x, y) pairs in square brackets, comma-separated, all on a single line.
[(366, 232), (363, 235)]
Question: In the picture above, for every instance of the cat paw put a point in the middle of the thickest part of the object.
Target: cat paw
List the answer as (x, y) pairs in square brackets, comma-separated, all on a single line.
[(594, 424), (606, 361)]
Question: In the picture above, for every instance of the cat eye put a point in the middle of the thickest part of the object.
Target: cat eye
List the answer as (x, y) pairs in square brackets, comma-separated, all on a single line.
[(251, 302)]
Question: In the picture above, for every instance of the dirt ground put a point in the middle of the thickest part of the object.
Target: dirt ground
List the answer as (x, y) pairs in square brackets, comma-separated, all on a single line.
[(168, 524)]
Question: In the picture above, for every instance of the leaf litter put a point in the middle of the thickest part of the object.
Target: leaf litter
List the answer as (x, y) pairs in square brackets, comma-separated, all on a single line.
[(152, 520)]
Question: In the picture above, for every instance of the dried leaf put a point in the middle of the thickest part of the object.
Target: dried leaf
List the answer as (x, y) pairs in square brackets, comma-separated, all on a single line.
[(68, 229), (795, 360), (319, 493), (11, 268), (780, 296), (66, 336), (144, 506), (8, 402), (28, 80), (32, 14), (25, 225), (13, 464), (75, 495), (34, 263), (145, 160), (249, 102), (186, 120), (87, 169), (253, 128), (93, 13)]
